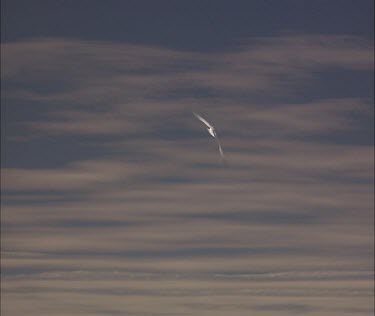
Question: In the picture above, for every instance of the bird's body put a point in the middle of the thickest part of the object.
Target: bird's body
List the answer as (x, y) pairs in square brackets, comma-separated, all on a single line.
[(212, 132)]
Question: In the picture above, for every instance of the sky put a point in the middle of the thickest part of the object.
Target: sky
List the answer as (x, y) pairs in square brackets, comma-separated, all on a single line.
[(114, 197)]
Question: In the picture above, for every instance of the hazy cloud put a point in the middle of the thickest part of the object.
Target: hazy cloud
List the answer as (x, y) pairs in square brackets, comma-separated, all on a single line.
[(100, 72), (148, 218)]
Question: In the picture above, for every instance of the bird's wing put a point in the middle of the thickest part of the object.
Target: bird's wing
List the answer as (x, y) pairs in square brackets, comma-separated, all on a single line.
[(220, 149), (202, 119)]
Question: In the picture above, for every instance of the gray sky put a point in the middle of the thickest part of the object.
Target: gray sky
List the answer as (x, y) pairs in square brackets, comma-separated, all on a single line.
[(114, 200)]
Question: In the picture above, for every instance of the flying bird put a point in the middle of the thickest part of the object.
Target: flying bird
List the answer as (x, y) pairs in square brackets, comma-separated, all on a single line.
[(212, 132)]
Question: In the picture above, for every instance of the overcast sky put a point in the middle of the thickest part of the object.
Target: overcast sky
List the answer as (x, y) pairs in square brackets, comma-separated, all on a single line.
[(114, 198)]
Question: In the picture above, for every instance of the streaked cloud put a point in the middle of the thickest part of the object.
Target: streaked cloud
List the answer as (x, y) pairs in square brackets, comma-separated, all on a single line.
[(151, 216), (263, 60)]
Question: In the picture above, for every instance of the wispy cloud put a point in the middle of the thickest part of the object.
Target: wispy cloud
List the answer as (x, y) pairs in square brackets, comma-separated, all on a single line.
[(285, 226), (103, 72)]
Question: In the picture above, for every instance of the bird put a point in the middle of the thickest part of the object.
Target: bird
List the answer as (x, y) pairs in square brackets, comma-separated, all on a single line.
[(212, 132)]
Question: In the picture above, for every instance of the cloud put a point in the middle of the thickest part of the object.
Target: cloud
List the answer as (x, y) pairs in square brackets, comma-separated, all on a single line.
[(102, 72), (81, 175), (309, 118), (99, 88), (285, 226), (117, 291)]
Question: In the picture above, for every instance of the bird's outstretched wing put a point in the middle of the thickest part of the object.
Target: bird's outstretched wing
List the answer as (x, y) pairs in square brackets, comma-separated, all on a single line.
[(220, 149), (203, 120)]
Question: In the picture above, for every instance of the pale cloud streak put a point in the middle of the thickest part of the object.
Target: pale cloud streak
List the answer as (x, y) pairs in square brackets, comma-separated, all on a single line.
[(110, 70)]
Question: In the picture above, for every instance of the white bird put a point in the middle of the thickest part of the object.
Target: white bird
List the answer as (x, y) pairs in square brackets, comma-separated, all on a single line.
[(211, 130)]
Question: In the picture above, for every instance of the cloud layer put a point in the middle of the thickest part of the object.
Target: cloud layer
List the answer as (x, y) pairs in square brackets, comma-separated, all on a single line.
[(122, 207)]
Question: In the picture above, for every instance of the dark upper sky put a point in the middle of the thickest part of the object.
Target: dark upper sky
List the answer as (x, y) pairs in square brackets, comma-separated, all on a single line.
[(190, 25)]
